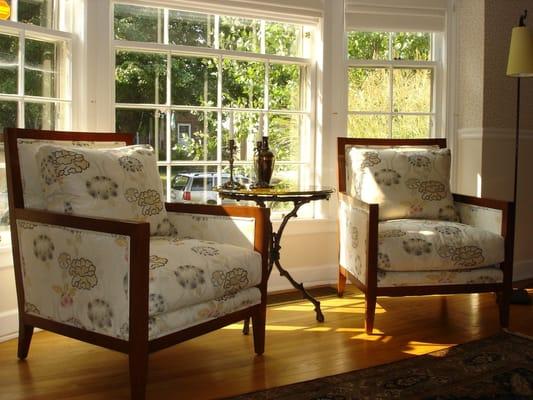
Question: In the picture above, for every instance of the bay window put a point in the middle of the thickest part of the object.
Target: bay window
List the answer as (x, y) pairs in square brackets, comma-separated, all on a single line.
[(180, 77)]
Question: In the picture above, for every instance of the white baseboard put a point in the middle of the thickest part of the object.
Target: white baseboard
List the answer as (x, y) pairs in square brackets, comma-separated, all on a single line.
[(9, 325), (309, 276)]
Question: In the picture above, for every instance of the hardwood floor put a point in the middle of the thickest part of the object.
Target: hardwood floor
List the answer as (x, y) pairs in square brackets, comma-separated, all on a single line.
[(223, 364)]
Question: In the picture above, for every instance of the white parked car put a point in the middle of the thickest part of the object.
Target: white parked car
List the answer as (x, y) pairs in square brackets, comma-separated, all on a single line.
[(198, 187)]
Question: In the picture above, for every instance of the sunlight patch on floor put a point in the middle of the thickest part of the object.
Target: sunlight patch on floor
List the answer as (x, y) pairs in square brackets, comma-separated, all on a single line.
[(325, 310), (416, 348)]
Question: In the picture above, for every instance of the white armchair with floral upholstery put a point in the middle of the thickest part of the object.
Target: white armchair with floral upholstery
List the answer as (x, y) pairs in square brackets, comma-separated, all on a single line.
[(100, 257), (402, 232)]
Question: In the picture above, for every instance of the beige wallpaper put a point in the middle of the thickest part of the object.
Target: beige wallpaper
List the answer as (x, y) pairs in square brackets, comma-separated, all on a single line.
[(470, 34), (486, 101)]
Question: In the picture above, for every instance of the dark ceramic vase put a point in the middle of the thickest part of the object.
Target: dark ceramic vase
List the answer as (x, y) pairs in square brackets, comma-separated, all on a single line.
[(263, 163)]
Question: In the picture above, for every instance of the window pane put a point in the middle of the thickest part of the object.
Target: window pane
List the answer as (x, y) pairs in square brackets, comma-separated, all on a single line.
[(284, 136), (9, 47), (283, 39), (36, 12), (412, 89), (194, 81), (368, 126), (243, 83), (410, 126), (140, 77), (148, 126), (40, 116), (411, 46), (40, 68), (191, 29), (246, 134), (8, 115), (240, 34), (368, 45), (284, 87), (199, 183), (193, 135), (141, 24), (369, 89)]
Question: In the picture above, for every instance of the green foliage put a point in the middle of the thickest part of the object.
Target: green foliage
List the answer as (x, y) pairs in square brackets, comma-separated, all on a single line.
[(368, 45), (370, 87), (9, 47), (35, 12), (191, 29), (411, 46), (138, 24)]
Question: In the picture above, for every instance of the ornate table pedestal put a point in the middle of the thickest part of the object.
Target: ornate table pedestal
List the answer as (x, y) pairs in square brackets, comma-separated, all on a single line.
[(298, 197)]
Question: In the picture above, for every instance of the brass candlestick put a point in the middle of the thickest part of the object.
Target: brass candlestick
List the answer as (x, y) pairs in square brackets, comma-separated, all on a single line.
[(231, 184)]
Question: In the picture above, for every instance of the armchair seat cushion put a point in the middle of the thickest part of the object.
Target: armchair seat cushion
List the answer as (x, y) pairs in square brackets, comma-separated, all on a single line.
[(428, 245), (187, 272)]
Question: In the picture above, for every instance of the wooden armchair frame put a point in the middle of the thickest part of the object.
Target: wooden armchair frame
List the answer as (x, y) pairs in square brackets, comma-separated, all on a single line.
[(138, 346), (370, 288)]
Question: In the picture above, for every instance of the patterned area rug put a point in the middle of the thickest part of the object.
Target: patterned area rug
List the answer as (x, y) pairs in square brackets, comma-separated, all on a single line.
[(499, 367)]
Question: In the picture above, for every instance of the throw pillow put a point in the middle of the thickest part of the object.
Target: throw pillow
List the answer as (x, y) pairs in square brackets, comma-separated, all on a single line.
[(31, 183), (121, 183), (405, 183)]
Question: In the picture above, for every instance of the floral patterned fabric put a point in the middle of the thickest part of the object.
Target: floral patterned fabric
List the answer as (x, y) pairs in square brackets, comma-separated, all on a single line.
[(489, 219), (423, 278), (174, 321), (185, 272), (425, 245), (81, 278), (71, 276), (31, 181), (120, 183), (353, 227), (405, 184), (238, 231)]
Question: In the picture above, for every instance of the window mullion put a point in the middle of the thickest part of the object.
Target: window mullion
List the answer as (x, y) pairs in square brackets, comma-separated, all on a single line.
[(391, 99), (20, 88)]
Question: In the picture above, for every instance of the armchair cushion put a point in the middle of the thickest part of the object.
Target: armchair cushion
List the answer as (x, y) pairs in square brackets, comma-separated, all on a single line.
[(405, 184), (425, 245), (185, 272), (120, 183), (31, 182)]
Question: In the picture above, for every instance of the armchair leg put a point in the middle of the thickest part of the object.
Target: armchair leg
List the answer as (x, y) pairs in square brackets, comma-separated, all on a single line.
[(138, 360), (259, 326), (25, 335), (341, 282), (505, 301), (370, 313)]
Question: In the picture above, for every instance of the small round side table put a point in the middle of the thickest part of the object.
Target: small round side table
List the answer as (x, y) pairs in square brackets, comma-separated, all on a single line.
[(298, 196)]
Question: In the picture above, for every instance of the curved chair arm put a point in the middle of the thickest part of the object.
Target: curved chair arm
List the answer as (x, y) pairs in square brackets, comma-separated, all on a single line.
[(130, 269), (243, 226), (358, 236), (489, 214)]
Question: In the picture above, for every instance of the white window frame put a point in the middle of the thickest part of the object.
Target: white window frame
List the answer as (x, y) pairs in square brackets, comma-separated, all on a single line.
[(308, 95), (63, 102), (437, 95), (64, 68)]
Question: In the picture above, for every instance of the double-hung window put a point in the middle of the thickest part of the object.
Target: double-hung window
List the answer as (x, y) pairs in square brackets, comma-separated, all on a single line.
[(393, 79), (35, 70), (182, 77)]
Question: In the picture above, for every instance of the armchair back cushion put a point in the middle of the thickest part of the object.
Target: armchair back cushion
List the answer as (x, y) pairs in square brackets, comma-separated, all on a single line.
[(405, 183), (31, 181), (120, 183)]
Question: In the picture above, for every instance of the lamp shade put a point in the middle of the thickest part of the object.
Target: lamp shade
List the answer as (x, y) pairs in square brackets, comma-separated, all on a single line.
[(520, 62)]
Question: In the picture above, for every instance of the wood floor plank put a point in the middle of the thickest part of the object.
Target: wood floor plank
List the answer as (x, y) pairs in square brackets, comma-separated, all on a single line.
[(222, 363)]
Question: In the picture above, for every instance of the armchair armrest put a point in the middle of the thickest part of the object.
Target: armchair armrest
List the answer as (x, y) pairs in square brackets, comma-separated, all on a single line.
[(238, 225), (242, 226), (489, 214), (97, 266), (358, 234)]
